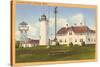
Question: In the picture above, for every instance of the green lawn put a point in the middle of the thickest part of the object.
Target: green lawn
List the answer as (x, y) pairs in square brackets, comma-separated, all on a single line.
[(55, 53)]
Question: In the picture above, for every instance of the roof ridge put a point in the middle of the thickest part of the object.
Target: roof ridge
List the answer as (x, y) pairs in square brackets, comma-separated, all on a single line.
[(76, 29)]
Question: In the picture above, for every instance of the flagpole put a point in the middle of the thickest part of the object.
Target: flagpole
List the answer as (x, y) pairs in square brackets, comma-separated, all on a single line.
[(55, 12)]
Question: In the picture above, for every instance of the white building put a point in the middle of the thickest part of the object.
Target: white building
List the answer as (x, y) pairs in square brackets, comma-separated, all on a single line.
[(43, 30), (76, 35), (23, 28)]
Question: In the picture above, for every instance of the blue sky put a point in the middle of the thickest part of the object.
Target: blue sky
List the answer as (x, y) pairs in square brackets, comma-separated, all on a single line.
[(31, 14)]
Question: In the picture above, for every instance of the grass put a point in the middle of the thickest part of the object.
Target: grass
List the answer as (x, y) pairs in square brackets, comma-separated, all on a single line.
[(54, 53)]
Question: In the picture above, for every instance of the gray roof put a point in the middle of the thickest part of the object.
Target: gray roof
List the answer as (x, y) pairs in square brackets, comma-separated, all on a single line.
[(23, 23)]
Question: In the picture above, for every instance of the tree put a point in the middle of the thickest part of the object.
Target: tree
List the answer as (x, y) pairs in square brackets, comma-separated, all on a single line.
[(71, 44), (83, 43), (17, 44), (57, 43)]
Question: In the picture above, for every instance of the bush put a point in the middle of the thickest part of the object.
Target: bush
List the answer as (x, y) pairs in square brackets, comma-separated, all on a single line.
[(17, 44), (76, 45), (71, 44), (83, 43), (57, 43)]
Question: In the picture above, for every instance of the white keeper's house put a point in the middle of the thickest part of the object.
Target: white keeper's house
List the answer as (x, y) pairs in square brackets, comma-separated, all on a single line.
[(76, 35)]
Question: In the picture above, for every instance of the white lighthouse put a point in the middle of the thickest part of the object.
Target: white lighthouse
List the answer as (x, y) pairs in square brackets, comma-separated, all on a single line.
[(43, 30)]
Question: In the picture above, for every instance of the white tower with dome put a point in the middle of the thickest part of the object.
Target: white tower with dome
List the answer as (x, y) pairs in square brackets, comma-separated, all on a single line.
[(43, 30)]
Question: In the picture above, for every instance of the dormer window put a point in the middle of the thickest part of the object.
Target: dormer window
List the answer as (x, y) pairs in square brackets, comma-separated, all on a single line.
[(70, 33), (81, 34)]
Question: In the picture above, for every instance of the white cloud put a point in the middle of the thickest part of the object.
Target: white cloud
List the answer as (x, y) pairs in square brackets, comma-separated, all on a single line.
[(17, 35), (33, 31), (93, 27), (61, 22), (34, 28), (78, 18)]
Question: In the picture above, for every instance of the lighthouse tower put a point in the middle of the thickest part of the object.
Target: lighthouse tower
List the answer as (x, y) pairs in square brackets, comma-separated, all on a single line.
[(43, 30)]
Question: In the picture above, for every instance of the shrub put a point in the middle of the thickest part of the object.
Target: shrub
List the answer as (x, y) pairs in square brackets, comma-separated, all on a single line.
[(17, 44), (71, 44), (57, 43), (83, 43), (76, 45)]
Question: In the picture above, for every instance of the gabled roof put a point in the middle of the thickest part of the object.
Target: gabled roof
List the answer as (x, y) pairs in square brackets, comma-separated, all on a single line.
[(75, 29), (33, 41)]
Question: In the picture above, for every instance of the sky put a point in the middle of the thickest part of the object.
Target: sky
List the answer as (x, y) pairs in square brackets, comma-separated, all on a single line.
[(31, 14)]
